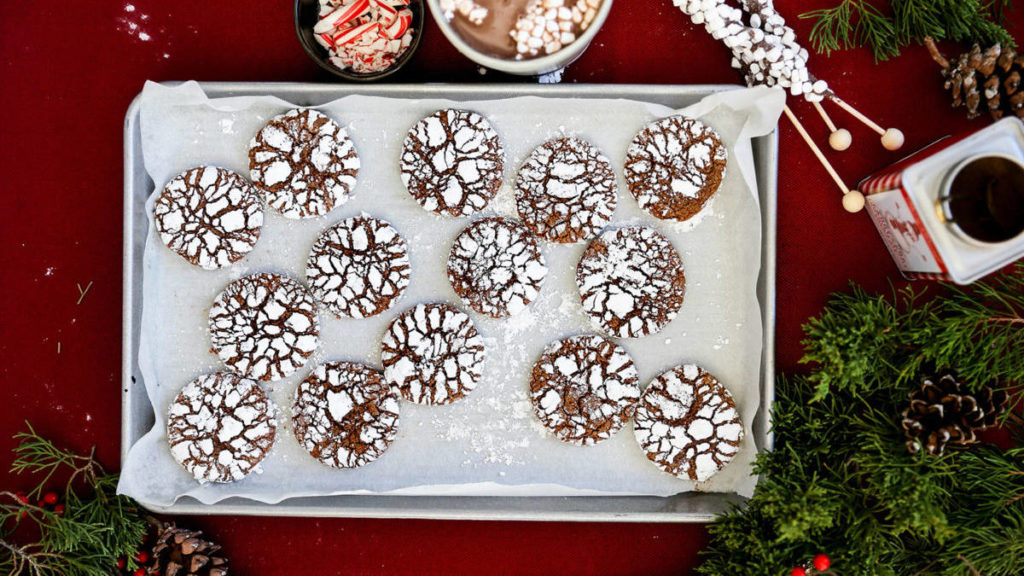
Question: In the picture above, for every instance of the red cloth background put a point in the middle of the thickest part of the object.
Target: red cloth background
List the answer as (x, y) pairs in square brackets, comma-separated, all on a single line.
[(69, 71)]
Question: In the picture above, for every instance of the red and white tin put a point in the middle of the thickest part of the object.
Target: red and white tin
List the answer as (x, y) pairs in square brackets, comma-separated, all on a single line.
[(909, 203)]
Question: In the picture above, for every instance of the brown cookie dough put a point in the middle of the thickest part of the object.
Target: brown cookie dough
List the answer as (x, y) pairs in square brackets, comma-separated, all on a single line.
[(220, 427), (264, 326), (453, 162), (631, 281), (496, 267), (210, 216), (687, 423), (345, 415), (674, 166), (433, 354), (359, 267), (303, 163), (565, 191), (584, 389)]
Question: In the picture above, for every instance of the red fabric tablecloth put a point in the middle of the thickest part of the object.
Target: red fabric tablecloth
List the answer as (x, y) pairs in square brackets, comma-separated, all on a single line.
[(70, 70)]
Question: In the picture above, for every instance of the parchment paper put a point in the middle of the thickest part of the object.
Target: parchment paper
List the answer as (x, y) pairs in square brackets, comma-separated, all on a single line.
[(490, 443)]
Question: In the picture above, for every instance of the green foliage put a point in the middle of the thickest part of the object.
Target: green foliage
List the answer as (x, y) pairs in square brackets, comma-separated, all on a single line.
[(840, 480), (853, 23), (95, 529)]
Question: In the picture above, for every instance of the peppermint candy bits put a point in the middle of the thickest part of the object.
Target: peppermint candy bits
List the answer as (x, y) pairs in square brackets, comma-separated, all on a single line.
[(364, 36)]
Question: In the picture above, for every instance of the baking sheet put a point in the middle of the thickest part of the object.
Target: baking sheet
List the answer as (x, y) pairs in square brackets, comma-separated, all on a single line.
[(491, 444)]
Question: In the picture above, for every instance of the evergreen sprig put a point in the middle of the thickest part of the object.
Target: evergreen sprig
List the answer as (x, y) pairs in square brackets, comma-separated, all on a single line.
[(94, 530), (887, 29), (840, 480)]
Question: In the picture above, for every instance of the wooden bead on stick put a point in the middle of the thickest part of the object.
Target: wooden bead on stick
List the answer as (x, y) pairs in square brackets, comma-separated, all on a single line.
[(852, 207), (853, 201), (893, 139), (840, 140)]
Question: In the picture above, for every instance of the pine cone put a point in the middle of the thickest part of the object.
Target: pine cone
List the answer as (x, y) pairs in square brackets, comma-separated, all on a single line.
[(984, 80), (944, 411), (180, 552)]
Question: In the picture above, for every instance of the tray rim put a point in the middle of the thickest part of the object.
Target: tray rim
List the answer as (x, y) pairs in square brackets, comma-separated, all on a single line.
[(575, 509)]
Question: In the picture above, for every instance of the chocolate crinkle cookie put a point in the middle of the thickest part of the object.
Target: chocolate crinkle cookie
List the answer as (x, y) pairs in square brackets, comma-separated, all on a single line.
[(303, 163), (631, 281), (264, 326), (496, 267), (220, 427), (210, 216), (359, 267), (345, 415), (565, 191), (584, 389), (687, 423), (674, 166), (433, 354), (453, 162)]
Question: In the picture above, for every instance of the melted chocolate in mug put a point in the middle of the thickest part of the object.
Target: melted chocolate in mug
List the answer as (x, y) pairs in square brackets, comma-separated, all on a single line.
[(986, 199)]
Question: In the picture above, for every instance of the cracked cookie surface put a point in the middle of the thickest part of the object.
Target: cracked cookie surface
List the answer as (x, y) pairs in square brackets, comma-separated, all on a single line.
[(496, 267), (433, 354), (584, 389), (264, 326), (210, 216), (345, 415), (631, 281), (453, 162), (687, 423), (303, 163), (565, 191), (220, 427), (674, 166), (359, 267)]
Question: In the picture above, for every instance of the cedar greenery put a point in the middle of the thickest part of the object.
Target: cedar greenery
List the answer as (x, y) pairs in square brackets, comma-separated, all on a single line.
[(840, 480), (853, 23), (96, 528)]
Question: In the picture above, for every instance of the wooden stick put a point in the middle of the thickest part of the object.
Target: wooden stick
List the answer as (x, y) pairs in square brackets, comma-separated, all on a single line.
[(824, 116), (856, 114), (817, 151)]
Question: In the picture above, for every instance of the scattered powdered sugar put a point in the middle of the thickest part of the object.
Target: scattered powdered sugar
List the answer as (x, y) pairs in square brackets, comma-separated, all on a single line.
[(345, 415), (359, 267), (264, 326), (584, 389), (210, 216), (453, 162), (220, 427), (433, 354), (496, 267), (303, 163), (688, 424), (631, 281)]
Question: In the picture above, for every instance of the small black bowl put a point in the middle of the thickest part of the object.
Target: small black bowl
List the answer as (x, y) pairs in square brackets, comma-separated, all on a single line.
[(307, 13)]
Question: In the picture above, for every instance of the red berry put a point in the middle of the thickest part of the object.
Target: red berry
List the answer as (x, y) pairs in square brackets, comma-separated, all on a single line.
[(40, 504), (140, 571), (59, 509), (22, 497), (50, 498), (798, 571), (121, 563), (22, 515), (821, 562), (142, 557)]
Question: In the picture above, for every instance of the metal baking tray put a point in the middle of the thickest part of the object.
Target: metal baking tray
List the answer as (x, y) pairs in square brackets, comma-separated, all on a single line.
[(137, 413)]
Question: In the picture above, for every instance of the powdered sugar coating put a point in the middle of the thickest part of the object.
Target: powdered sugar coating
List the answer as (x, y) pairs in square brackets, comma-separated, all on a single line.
[(565, 191), (210, 216), (453, 162), (345, 415), (584, 389), (496, 267), (631, 281), (359, 267), (687, 423), (264, 326), (433, 354), (303, 163), (674, 166), (220, 427)]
